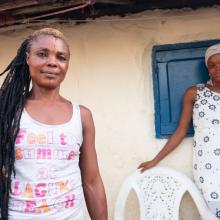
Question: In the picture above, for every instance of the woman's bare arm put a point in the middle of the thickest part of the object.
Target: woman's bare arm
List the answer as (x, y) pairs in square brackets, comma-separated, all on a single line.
[(176, 138), (91, 180)]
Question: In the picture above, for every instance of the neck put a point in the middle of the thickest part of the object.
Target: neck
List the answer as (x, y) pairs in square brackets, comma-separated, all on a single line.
[(216, 85), (44, 95)]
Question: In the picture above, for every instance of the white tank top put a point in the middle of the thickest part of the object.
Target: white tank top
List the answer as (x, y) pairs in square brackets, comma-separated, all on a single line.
[(47, 185)]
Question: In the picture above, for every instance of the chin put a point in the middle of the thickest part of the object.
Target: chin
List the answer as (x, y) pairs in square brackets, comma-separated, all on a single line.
[(50, 86)]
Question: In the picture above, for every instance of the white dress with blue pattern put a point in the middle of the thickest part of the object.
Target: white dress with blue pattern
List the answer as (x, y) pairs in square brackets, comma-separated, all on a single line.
[(206, 150)]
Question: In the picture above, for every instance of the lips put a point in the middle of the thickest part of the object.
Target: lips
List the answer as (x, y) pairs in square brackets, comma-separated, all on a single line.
[(49, 73)]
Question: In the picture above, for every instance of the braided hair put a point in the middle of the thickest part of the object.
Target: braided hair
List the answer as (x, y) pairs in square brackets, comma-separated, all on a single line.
[(13, 94)]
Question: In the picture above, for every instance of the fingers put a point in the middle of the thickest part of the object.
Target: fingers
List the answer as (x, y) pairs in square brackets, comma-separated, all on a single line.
[(146, 165), (143, 167), (142, 170)]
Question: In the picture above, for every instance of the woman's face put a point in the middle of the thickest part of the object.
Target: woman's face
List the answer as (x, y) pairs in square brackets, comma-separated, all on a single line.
[(214, 67), (48, 60)]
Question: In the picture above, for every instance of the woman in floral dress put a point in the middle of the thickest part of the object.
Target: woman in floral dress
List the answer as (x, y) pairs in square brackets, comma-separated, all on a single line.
[(202, 103)]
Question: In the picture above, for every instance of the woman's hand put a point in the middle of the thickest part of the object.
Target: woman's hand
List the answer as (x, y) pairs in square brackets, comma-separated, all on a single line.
[(146, 165)]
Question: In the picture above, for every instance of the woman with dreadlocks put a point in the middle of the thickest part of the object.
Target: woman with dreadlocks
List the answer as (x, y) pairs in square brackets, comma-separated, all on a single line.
[(47, 150)]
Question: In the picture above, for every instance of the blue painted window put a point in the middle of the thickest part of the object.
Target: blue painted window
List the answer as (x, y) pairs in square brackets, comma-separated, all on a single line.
[(175, 68)]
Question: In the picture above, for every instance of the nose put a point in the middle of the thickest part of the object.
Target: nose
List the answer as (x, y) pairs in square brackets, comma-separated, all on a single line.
[(52, 62)]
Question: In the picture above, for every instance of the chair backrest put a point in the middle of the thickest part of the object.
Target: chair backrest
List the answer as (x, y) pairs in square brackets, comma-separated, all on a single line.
[(159, 191)]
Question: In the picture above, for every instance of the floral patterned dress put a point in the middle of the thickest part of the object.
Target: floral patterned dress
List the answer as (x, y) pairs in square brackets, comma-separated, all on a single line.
[(206, 150)]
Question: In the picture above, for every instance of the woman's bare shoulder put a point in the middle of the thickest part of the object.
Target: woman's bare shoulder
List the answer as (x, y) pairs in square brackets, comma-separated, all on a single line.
[(84, 110), (192, 89), (191, 93), (86, 114)]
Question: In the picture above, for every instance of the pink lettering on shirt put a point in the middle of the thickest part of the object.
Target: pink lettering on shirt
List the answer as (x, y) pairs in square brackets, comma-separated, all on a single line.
[(30, 206), (63, 139), (19, 154), (28, 191), (15, 188), (43, 207), (44, 153), (41, 139), (40, 190), (20, 136), (31, 138), (69, 200), (29, 153), (50, 137)]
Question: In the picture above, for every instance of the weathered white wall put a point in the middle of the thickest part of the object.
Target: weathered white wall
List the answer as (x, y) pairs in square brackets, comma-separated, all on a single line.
[(110, 72)]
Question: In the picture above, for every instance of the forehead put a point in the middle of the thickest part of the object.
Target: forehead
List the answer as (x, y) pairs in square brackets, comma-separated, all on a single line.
[(214, 58), (49, 43)]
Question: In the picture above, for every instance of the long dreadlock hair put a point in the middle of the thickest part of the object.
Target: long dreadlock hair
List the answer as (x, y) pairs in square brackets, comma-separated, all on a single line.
[(13, 94)]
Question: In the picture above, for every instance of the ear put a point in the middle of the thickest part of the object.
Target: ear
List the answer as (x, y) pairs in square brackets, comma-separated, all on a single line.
[(27, 58)]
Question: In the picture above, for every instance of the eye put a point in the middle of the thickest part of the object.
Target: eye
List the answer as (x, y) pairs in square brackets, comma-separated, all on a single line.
[(41, 54), (61, 58), (211, 65)]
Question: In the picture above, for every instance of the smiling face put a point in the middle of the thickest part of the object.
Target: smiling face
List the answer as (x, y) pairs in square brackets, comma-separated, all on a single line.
[(214, 67), (48, 60)]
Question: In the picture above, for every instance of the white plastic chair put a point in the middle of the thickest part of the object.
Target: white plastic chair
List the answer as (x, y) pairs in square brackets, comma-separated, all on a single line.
[(160, 191)]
